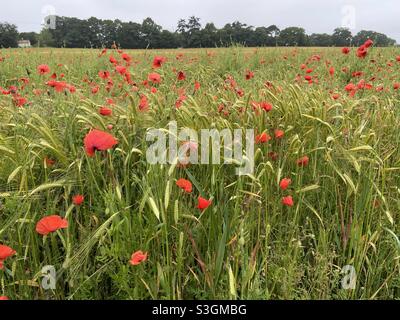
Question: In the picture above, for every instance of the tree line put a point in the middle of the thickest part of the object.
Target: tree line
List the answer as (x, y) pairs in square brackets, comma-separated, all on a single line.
[(96, 33)]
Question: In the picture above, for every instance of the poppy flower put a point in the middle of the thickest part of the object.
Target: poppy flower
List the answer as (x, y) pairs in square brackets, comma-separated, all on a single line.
[(98, 140), (4, 298), (288, 201), (43, 69), (185, 185), (50, 224), (181, 76), (362, 51), (203, 204), (396, 86), (158, 61), (302, 162), (197, 86), (285, 183), (368, 43), (266, 106), (154, 77), (5, 252), (345, 50), (279, 134), (350, 87), (104, 74), (126, 57), (49, 162), (138, 257), (78, 199), (104, 111), (249, 75), (263, 138), (120, 69)]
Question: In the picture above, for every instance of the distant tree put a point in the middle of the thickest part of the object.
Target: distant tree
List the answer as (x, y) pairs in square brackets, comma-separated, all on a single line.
[(193, 32), (168, 40), (293, 36), (150, 33), (97, 33), (45, 39), (320, 40), (342, 37), (8, 35), (130, 36), (33, 37), (274, 32), (380, 39), (260, 37), (209, 36)]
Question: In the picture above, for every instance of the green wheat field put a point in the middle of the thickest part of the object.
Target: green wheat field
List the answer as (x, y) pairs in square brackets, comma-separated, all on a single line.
[(324, 194)]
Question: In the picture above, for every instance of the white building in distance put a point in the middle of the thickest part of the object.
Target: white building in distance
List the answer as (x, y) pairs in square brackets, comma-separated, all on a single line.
[(24, 44)]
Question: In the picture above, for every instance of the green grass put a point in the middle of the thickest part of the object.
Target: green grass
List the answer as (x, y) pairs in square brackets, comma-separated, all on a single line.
[(246, 245)]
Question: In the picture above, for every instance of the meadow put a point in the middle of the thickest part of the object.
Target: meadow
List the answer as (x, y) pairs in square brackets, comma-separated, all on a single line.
[(77, 194)]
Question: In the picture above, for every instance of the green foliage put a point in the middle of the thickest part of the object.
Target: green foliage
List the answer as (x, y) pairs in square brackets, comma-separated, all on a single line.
[(246, 245), (8, 35)]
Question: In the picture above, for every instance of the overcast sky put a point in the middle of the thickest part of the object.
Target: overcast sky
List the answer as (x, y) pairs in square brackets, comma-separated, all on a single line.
[(313, 15)]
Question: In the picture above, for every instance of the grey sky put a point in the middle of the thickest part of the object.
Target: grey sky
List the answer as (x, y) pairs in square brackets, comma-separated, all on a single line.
[(313, 15)]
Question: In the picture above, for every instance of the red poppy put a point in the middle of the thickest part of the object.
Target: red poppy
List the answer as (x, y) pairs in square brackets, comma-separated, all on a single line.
[(285, 183), (120, 69), (98, 140), (398, 58), (3, 298), (158, 61), (396, 86), (345, 50), (154, 77), (49, 162), (197, 86), (20, 101), (263, 138), (104, 74), (138, 257), (126, 57), (279, 134), (362, 51), (181, 76), (78, 199), (249, 75), (368, 43), (203, 204), (302, 162), (5, 252), (43, 69), (50, 224), (266, 106), (185, 185), (288, 201), (104, 111), (350, 87)]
